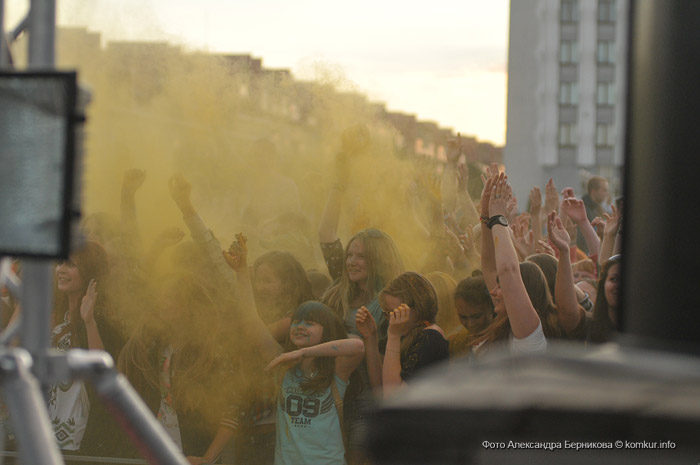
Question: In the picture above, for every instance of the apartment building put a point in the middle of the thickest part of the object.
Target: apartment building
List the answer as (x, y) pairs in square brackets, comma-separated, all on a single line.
[(566, 92)]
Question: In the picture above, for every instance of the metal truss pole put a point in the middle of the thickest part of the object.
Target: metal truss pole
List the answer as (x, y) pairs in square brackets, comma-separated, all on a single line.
[(42, 34)]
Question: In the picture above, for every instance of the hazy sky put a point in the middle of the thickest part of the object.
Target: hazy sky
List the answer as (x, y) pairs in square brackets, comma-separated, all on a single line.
[(444, 60)]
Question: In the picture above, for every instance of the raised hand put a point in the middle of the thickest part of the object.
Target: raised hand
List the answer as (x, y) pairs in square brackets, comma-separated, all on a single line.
[(524, 239), (512, 206), (498, 200), (398, 320), (557, 233), (87, 305), (612, 223), (489, 183), (180, 190), (492, 170), (454, 149), (567, 193), (544, 247), (463, 178), (571, 229), (551, 198), (237, 254), (535, 201), (467, 242), (365, 323), (454, 247), (575, 209), (598, 224), (133, 180)]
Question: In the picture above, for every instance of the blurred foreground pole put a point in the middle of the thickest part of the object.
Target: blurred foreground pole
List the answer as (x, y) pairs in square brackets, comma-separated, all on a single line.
[(662, 180), (3, 54), (20, 391), (42, 34), (37, 274)]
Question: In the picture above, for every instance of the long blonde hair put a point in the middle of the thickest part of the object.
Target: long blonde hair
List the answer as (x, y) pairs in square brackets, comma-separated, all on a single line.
[(445, 287), (384, 263)]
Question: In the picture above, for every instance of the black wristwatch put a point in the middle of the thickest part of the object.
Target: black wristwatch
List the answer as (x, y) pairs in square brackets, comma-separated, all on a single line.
[(497, 219)]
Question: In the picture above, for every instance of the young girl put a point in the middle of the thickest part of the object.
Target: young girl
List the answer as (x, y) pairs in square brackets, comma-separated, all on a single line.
[(315, 373), (312, 375), (79, 322), (414, 340)]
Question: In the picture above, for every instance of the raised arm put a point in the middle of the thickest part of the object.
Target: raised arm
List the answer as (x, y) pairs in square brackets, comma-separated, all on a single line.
[(180, 191), (522, 315), (536, 213), (564, 289), (551, 197), (354, 139), (253, 326), (470, 215), (167, 238), (488, 257), (87, 313), (610, 233), (576, 210), (131, 237), (328, 228), (448, 186), (391, 371)]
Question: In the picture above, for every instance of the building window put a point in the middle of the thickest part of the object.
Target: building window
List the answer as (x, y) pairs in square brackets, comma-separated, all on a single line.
[(567, 135), (606, 51), (568, 51), (605, 135), (568, 93), (569, 11), (606, 11), (605, 94)]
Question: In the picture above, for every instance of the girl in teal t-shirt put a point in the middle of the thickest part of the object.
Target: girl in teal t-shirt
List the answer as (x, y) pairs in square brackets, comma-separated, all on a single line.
[(319, 359)]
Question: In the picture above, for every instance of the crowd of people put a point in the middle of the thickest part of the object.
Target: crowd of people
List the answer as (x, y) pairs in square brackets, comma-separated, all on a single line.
[(267, 360)]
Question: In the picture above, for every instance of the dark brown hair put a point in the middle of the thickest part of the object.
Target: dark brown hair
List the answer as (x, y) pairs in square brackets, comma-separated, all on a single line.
[(414, 290), (92, 263), (602, 326), (295, 281), (333, 329)]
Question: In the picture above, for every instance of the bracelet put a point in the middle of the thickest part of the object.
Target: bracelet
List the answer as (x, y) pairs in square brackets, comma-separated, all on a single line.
[(585, 296), (484, 219)]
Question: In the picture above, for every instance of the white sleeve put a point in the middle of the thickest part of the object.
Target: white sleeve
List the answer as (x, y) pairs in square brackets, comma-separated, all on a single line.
[(535, 342)]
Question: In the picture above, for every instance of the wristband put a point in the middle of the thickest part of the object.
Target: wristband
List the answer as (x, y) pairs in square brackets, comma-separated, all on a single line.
[(484, 219)]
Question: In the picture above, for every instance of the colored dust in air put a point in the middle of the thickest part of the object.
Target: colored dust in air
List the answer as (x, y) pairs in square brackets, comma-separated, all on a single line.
[(259, 150)]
